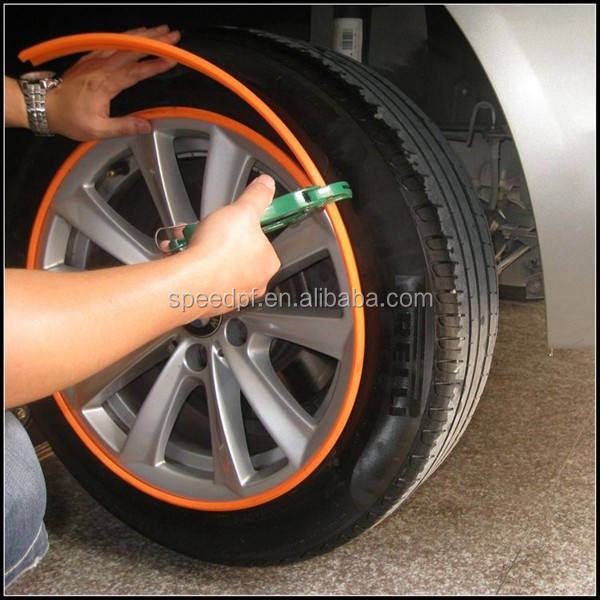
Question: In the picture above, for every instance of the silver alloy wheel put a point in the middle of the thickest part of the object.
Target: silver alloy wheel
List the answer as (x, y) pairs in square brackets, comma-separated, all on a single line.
[(231, 360)]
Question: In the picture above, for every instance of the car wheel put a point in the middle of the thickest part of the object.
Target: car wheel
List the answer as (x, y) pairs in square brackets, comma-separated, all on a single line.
[(270, 435)]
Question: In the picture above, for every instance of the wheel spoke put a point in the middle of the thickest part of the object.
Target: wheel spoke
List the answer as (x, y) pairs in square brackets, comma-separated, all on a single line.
[(156, 159), (88, 212), (286, 421), (62, 268), (147, 439), (231, 459), (301, 245), (226, 173), (95, 390), (324, 330)]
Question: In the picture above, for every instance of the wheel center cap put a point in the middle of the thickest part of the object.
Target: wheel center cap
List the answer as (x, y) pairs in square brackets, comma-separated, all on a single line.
[(205, 327)]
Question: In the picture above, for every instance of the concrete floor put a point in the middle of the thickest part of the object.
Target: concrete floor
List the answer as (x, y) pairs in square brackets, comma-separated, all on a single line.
[(512, 511)]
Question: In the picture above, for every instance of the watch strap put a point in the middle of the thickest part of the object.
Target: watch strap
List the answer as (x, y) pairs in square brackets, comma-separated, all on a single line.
[(35, 103)]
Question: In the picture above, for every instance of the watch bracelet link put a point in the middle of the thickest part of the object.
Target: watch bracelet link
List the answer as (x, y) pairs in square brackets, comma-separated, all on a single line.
[(35, 102), (36, 110)]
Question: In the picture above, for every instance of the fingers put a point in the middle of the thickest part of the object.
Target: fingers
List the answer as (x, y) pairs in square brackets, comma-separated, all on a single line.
[(259, 194), (121, 126), (121, 58), (158, 29), (137, 72), (137, 31), (176, 232)]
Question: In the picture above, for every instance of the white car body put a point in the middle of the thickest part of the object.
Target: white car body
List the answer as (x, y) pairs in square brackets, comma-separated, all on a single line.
[(541, 61)]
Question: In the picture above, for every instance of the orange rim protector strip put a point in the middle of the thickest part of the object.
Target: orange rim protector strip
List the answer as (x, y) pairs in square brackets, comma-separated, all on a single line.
[(103, 41)]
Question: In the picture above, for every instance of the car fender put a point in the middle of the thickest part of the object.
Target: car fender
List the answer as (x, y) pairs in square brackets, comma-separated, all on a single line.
[(541, 63)]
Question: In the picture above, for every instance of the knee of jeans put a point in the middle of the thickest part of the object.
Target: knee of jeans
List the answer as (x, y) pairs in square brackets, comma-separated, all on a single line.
[(24, 485), (31, 491)]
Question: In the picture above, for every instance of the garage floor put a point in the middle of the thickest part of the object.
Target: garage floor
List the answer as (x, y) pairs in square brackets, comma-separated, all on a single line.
[(512, 511)]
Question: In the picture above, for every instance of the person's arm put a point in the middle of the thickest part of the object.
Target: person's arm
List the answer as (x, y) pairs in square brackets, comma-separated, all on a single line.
[(79, 108), (63, 327)]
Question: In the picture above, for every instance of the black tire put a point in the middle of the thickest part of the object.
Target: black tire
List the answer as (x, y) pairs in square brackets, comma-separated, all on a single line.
[(415, 225)]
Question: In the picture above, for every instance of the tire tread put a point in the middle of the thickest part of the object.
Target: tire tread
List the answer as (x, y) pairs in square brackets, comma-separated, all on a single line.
[(461, 228)]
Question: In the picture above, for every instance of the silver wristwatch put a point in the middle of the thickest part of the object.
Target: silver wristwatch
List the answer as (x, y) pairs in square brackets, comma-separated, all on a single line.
[(34, 86)]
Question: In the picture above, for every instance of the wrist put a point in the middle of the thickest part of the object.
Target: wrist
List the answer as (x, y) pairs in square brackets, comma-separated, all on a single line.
[(53, 109), (15, 114), (190, 280), (35, 86)]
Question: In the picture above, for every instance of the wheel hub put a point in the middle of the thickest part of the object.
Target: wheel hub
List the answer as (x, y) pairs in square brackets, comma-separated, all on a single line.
[(205, 327)]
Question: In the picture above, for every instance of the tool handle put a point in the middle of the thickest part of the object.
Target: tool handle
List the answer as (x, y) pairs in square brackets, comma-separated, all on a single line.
[(284, 210), (180, 244)]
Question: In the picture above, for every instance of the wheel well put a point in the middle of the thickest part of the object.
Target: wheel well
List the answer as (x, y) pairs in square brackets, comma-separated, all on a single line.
[(423, 51)]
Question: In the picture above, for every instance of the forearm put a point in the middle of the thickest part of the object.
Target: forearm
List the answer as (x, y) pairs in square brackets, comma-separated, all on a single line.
[(15, 113), (63, 327)]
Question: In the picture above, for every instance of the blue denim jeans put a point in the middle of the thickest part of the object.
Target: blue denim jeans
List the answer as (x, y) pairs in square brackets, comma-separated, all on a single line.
[(25, 538)]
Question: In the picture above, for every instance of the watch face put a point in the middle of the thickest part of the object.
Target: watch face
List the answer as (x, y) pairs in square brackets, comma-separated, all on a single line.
[(34, 76)]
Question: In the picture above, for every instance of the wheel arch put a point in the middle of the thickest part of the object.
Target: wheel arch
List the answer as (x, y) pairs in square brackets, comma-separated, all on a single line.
[(548, 100)]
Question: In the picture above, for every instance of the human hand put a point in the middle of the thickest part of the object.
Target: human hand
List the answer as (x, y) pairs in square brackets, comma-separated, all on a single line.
[(79, 108), (229, 250)]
